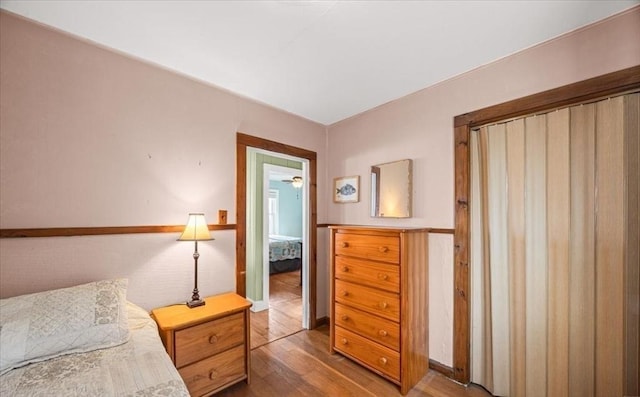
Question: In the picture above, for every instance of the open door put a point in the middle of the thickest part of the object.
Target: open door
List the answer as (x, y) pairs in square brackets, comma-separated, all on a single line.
[(248, 233)]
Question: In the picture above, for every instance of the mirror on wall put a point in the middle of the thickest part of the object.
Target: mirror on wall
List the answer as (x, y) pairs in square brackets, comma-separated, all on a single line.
[(391, 189)]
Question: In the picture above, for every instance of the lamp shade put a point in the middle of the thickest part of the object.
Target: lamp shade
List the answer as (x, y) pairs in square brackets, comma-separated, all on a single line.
[(196, 229)]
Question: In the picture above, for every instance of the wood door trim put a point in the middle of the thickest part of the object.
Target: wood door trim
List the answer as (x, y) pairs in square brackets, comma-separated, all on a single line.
[(243, 141), (571, 94), (584, 91)]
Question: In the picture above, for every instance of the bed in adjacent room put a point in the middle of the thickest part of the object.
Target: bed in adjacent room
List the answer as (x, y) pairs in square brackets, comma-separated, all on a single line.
[(285, 254), (83, 341)]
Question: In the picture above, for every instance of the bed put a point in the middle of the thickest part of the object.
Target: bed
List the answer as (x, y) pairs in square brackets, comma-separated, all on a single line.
[(83, 341), (285, 254)]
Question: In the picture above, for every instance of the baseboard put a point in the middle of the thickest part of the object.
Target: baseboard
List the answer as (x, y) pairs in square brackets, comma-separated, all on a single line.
[(439, 367), (258, 306), (322, 321)]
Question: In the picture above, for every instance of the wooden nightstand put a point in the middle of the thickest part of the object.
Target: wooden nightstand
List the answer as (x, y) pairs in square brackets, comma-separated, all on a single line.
[(209, 345)]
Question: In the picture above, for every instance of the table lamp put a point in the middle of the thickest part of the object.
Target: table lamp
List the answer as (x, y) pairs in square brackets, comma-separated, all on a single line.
[(196, 230)]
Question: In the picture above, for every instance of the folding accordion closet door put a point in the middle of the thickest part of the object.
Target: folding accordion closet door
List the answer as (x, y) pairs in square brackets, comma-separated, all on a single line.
[(555, 238)]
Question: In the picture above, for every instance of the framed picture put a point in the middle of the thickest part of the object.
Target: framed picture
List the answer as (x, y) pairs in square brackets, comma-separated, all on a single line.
[(346, 189)]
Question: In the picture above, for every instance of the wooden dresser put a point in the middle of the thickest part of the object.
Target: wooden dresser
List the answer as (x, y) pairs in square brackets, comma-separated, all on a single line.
[(209, 344), (379, 295)]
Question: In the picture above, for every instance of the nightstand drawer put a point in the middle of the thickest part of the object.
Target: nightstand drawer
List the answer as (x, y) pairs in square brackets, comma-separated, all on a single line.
[(208, 375), (374, 274), (380, 358), (381, 303), (383, 331), (206, 339), (379, 248)]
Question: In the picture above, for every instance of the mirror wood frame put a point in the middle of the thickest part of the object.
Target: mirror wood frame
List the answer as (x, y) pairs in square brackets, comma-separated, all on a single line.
[(376, 189)]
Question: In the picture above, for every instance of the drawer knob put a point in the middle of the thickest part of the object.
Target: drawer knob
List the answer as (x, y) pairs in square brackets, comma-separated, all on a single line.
[(212, 375), (383, 276), (213, 339), (383, 249), (345, 317), (345, 268), (382, 333), (383, 361), (344, 341), (344, 293), (344, 244), (383, 305)]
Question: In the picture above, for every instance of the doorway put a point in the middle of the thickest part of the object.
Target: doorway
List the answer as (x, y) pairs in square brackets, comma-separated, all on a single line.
[(281, 311), (246, 232)]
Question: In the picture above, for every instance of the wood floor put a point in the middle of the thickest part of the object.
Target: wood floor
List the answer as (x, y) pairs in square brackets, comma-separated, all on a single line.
[(288, 361), (284, 316), (300, 365)]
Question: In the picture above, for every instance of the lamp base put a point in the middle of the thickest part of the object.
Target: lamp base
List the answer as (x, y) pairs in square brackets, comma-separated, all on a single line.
[(195, 303)]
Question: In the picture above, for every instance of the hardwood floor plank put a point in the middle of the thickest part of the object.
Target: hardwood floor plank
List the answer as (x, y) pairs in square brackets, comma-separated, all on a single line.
[(289, 361), (284, 316), (316, 345), (279, 381), (301, 365)]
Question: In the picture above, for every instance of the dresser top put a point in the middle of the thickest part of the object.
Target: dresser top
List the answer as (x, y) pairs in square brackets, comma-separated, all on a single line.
[(372, 228)]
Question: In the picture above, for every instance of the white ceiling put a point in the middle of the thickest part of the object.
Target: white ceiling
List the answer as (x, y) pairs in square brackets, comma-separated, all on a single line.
[(322, 60)]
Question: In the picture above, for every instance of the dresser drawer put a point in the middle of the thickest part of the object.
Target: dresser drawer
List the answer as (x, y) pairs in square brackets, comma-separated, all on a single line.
[(379, 248), (385, 304), (377, 357), (373, 274), (206, 339), (383, 331), (207, 375)]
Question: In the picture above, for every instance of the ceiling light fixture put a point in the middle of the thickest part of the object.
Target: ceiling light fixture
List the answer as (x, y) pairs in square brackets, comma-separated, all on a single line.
[(297, 182)]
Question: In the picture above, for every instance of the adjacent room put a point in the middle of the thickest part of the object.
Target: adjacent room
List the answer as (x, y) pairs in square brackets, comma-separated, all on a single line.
[(279, 311), (322, 198)]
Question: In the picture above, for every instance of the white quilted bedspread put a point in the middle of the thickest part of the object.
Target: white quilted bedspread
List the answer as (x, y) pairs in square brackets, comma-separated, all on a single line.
[(139, 367)]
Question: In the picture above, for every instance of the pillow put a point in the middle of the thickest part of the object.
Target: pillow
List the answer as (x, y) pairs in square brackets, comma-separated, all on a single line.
[(139, 318), (49, 324)]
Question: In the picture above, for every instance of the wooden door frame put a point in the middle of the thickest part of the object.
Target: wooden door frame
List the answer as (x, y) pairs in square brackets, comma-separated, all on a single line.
[(572, 94), (243, 141)]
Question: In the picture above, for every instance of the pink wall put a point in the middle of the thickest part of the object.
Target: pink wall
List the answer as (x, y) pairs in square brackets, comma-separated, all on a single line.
[(93, 138), (419, 126)]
